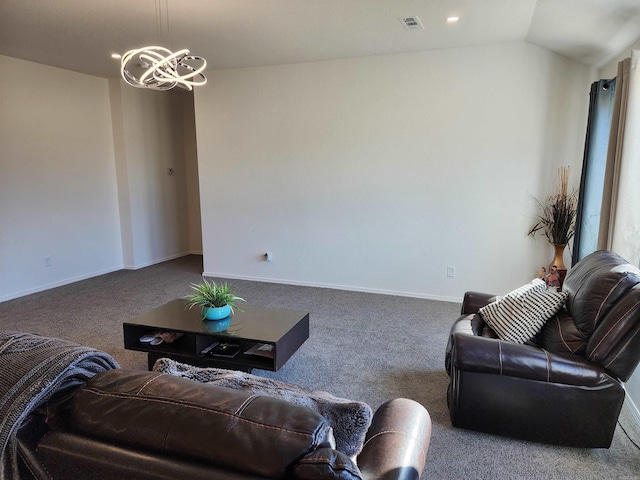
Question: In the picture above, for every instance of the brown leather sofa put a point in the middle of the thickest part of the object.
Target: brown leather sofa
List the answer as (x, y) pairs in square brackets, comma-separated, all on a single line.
[(141, 425), (563, 387)]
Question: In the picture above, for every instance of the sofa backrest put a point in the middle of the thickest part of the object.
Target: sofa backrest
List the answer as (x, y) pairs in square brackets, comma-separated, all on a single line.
[(604, 301), (180, 418)]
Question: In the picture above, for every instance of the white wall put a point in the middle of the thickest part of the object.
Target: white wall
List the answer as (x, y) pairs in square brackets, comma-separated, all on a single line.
[(148, 127), (83, 177), (185, 102), (377, 173), (58, 194)]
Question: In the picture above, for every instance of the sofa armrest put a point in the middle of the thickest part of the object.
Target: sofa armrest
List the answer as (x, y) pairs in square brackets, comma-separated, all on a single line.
[(474, 301), (397, 442), (494, 356)]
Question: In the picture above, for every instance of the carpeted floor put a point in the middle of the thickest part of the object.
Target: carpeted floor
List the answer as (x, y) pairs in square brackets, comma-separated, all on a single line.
[(362, 346)]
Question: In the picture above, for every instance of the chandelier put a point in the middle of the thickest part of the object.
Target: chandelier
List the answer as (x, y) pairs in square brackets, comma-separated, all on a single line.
[(158, 68)]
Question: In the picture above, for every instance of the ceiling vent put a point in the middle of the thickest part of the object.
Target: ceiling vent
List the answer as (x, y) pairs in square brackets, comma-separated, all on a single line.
[(411, 23)]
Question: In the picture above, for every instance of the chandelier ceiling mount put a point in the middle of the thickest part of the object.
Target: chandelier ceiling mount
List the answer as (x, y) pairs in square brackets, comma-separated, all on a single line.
[(158, 68)]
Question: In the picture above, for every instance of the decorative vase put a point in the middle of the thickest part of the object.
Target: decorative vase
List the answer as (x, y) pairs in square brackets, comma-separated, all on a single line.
[(558, 262), (216, 313), (558, 259)]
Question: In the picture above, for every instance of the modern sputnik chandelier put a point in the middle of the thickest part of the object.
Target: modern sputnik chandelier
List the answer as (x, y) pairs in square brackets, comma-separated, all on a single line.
[(158, 68)]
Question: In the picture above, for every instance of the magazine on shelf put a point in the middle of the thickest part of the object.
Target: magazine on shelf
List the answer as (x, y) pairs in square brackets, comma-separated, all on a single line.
[(221, 349)]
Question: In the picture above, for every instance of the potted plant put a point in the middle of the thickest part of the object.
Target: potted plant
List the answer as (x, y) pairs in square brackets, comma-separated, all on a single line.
[(216, 300), (557, 217)]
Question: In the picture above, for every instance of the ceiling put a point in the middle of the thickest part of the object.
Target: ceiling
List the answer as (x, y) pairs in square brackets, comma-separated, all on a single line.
[(80, 35)]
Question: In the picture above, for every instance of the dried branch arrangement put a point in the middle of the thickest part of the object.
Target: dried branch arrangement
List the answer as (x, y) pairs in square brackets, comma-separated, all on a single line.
[(558, 214)]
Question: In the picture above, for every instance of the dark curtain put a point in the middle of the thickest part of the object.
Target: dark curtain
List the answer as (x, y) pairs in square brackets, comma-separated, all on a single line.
[(593, 168)]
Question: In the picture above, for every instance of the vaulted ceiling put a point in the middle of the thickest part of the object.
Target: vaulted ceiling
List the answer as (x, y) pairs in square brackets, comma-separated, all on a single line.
[(80, 35)]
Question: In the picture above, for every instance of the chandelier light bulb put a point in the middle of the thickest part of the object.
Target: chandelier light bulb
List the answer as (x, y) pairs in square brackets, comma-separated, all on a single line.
[(158, 68)]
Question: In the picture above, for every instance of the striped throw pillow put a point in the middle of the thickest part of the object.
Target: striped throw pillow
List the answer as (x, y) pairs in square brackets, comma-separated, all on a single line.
[(520, 314)]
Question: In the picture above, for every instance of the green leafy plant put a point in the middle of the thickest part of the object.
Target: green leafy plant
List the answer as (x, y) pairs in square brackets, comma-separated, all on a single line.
[(558, 214), (211, 295)]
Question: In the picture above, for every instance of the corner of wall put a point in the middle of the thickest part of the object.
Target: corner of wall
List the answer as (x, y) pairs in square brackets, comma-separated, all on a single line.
[(124, 202)]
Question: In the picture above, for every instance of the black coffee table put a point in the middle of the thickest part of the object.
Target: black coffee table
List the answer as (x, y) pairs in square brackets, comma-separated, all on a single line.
[(255, 337)]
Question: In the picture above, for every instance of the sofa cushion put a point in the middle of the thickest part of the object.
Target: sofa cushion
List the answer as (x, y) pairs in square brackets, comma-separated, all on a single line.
[(327, 464), (560, 335), (177, 417), (349, 419), (520, 314)]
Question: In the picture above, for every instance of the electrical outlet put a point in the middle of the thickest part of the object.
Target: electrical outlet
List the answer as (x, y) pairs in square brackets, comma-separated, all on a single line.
[(451, 272), (268, 257)]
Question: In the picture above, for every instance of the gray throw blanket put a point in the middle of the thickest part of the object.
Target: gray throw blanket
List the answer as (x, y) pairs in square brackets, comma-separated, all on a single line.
[(349, 419), (32, 370)]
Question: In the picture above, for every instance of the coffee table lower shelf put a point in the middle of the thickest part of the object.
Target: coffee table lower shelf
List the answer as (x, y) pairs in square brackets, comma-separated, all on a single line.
[(152, 357), (240, 361)]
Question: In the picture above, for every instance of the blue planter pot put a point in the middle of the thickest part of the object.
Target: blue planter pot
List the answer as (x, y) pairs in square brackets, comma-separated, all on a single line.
[(216, 313)]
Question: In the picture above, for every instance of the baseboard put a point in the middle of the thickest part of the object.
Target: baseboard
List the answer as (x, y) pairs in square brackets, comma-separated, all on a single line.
[(68, 281), (335, 287), (632, 409), (155, 262), (59, 283)]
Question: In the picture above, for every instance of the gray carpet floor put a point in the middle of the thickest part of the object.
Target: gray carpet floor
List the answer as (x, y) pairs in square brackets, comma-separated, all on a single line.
[(362, 346)]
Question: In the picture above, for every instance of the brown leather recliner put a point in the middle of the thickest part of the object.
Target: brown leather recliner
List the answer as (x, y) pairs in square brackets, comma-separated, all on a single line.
[(563, 387)]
